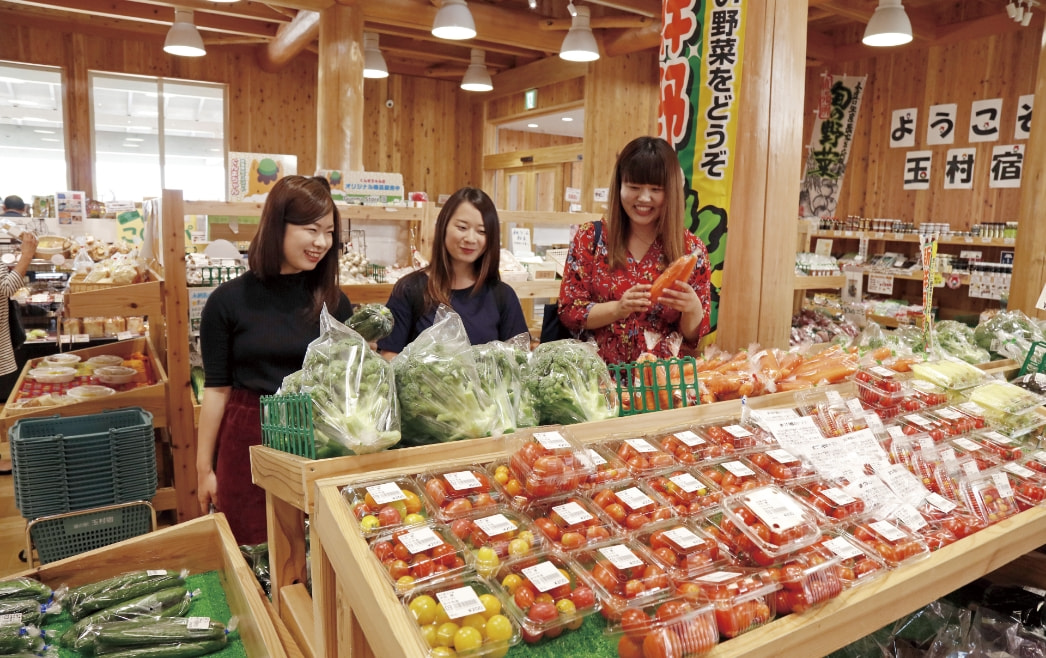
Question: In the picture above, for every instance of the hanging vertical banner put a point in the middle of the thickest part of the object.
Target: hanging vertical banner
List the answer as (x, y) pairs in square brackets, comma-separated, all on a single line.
[(830, 148), (702, 47)]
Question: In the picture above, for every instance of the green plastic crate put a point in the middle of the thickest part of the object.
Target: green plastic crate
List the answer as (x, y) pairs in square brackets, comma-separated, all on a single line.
[(213, 275), (63, 535), (647, 386), (376, 272), (286, 422), (1035, 362)]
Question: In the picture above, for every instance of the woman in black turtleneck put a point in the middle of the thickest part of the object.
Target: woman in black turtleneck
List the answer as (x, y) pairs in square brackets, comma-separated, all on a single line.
[(254, 331)]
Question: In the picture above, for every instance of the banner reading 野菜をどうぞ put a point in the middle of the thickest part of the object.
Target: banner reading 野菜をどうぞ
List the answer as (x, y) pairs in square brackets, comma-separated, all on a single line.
[(830, 146)]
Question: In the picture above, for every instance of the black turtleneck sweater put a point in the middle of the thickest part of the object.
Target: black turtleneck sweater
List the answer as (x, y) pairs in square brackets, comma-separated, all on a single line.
[(253, 335)]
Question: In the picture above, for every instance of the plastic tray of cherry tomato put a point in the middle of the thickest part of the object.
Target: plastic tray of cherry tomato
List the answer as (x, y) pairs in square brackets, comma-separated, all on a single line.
[(570, 522), (682, 548), (676, 627), (630, 505), (623, 574), (808, 577), (511, 484), (887, 540), (953, 421), (951, 516), (383, 505), (1029, 486), (495, 535), (687, 446), (607, 467), (989, 495), (1000, 445), (782, 466), (548, 463), (733, 476), (640, 455), (928, 394), (770, 520), (464, 615), (857, 563), (829, 499), (743, 598), (920, 423), (420, 554), (736, 437), (456, 491), (966, 449), (545, 595), (686, 490)]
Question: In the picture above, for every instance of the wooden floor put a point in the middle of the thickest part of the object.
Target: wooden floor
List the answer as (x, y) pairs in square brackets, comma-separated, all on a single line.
[(12, 525)]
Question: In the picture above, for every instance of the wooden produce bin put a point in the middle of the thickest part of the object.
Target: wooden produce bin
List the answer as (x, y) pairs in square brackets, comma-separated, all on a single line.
[(201, 545)]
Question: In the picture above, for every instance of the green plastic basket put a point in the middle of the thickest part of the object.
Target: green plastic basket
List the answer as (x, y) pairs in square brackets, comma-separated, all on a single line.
[(286, 422), (1035, 362), (376, 272), (213, 275), (63, 535), (648, 386)]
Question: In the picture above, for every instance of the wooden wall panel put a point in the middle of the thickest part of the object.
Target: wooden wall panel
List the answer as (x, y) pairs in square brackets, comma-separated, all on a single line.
[(1000, 66), (517, 140), (556, 95)]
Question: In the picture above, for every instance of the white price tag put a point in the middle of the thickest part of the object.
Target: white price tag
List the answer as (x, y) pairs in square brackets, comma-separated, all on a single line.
[(853, 405), (774, 508), (948, 457), (880, 284), (1040, 457), (497, 524), (834, 398), (782, 456), (841, 547), (1002, 483), (973, 408), (551, 440), (594, 458), (689, 438), (462, 480), (737, 432), (125, 335), (941, 503), (950, 414), (688, 483), (883, 372), (921, 421), (156, 572), (545, 576), (738, 469), (966, 444), (420, 540), (1001, 439), (910, 517), (81, 338), (640, 445), (838, 496), (572, 513), (896, 432), (969, 467), (887, 530), (14, 619), (926, 444), (460, 602), (633, 498), (385, 493), (683, 538), (198, 623), (621, 557), (1019, 470), (718, 577)]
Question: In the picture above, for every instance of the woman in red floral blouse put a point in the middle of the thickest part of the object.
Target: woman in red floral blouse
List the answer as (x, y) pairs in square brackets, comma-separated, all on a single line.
[(606, 284)]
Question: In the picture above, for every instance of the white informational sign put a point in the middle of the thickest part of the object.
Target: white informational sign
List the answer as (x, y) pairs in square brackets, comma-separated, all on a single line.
[(372, 188), (852, 291), (521, 245), (601, 194), (572, 195), (880, 284), (959, 168), (940, 124), (1007, 166), (823, 247), (71, 207), (252, 175), (902, 128), (984, 120), (1022, 126), (917, 170)]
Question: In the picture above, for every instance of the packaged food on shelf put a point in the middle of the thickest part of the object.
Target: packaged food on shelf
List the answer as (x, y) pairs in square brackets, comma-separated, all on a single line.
[(463, 615), (630, 505), (1006, 398), (857, 563), (736, 437), (927, 393), (1016, 426), (989, 495), (569, 598), (548, 462), (53, 374), (416, 555), (782, 466), (72, 326), (456, 491), (966, 450), (687, 446), (921, 423), (90, 392), (682, 548), (570, 522), (607, 467), (733, 476), (686, 490), (808, 578), (768, 523), (953, 517), (641, 456), (94, 327), (890, 542), (114, 326), (495, 535), (673, 627), (829, 499), (951, 374), (64, 359), (743, 598), (879, 384), (511, 484), (1037, 461), (1000, 445), (623, 575), (136, 325), (953, 421), (383, 505), (1029, 486), (114, 374)]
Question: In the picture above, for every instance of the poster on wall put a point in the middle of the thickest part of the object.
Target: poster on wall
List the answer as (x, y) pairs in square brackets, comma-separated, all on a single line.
[(830, 148), (1007, 166), (902, 127), (252, 175), (698, 116), (958, 168), (1022, 125), (940, 124), (71, 207), (984, 120), (917, 170)]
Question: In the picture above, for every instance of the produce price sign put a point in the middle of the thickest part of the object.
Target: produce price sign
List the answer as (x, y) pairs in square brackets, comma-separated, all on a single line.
[(880, 284)]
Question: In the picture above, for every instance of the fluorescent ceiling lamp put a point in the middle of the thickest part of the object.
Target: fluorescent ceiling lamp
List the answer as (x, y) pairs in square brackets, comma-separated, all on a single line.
[(454, 21), (580, 44), (476, 76), (373, 61), (889, 25), (224, 2), (183, 39)]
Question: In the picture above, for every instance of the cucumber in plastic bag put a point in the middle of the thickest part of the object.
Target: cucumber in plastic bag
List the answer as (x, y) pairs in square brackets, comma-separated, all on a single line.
[(24, 588), (170, 602), (121, 635), (177, 650), (372, 321), (121, 589)]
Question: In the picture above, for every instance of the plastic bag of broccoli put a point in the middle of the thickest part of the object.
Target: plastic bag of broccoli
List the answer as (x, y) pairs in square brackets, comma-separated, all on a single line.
[(353, 391), (501, 366), (957, 339), (570, 383), (1008, 335), (438, 386)]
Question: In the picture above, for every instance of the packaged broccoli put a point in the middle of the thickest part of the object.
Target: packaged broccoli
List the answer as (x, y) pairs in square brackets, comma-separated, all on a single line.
[(501, 366), (570, 383), (1008, 335), (353, 392), (438, 386), (957, 339)]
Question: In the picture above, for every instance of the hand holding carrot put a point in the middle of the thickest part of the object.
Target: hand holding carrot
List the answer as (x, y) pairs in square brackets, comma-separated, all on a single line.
[(635, 300)]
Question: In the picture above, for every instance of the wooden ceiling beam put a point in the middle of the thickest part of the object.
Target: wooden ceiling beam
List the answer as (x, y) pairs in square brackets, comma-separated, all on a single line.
[(648, 8), (564, 24), (253, 10), (434, 44)]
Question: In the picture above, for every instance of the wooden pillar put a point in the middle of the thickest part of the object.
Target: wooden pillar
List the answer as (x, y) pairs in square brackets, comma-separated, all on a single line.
[(756, 303), (1029, 257), (339, 100), (76, 98)]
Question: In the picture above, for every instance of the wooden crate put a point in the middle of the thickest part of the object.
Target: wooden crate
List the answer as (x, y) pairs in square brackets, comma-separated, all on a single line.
[(201, 545), (152, 398), (109, 299)]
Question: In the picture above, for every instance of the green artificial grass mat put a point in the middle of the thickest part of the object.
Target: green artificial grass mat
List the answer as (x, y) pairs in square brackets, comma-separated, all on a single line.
[(588, 641), (211, 603)]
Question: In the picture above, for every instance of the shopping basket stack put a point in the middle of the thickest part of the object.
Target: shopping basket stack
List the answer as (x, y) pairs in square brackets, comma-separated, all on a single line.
[(81, 464)]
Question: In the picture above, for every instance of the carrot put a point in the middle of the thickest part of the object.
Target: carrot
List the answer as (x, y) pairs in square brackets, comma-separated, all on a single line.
[(880, 353), (646, 374), (790, 362), (678, 270)]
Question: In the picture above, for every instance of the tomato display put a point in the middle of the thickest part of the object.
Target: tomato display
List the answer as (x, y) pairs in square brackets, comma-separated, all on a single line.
[(857, 564), (989, 496), (952, 421), (465, 616), (382, 506), (782, 466), (623, 575), (687, 491), (496, 534), (547, 464), (950, 516), (630, 505), (966, 449), (681, 548), (676, 628), (808, 578), (829, 498), (880, 378), (689, 447), (1000, 445), (888, 541), (608, 468), (642, 457), (768, 522), (734, 476), (571, 522), (413, 556), (743, 599), (736, 437), (458, 491), (544, 595)]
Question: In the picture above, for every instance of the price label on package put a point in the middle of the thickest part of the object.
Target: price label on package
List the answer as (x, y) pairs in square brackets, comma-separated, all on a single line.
[(687, 482), (594, 458), (621, 557), (841, 547), (497, 524), (633, 498), (198, 623), (941, 503), (775, 509), (782, 456), (545, 576), (887, 530), (385, 493), (684, 538), (462, 480), (689, 438), (551, 440), (738, 469), (718, 576), (460, 602), (880, 284), (421, 540), (14, 619), (910, 517), (572, 513), (640, 445), (737, 431)]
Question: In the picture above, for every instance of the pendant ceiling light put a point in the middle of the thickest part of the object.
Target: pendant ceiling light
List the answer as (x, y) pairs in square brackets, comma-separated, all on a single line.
[(476, 77), (889, 25), (580, 44), (454, 21), (373, 61), (183, 39)]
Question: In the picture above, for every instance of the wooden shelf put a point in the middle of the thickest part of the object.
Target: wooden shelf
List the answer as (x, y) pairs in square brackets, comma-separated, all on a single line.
[(378, 293), (905, 275), (890, 236), (819, 282)]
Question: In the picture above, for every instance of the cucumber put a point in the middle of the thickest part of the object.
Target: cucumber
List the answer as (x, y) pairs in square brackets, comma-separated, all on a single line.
[(160, 631), (123, 591), (170, 602), (24, 588), (177, 650), (17, 639), (30, 610), (372, 321), (73, 597)]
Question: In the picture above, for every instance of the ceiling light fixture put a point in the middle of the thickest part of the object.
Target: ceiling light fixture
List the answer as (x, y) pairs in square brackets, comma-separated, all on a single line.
[(533, 4), (476, 76), (1020, 10), (224, 2), (373, 61), (183, 39), (580, 44), (889, 26), (568, 119), (43, 131), (454, 21), (532, 125)]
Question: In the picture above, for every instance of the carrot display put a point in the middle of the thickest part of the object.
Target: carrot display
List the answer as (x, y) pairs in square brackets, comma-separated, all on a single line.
[(679, 270)]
